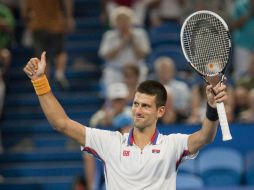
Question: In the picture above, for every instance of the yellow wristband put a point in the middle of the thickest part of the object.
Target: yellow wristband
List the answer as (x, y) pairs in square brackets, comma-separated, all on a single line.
[(41, 85)]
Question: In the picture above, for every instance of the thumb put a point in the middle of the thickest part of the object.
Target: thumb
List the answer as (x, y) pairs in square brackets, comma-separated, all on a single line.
[(43, 58), (42, 64)]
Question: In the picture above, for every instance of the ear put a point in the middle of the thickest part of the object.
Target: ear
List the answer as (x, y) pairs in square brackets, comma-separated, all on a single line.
[(161, 111)]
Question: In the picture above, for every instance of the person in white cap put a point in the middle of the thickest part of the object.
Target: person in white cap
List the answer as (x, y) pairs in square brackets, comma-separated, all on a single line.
[(143, 158), (116, 103)]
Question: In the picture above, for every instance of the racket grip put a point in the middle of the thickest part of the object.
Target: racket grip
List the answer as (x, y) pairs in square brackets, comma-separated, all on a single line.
[(223, 122)]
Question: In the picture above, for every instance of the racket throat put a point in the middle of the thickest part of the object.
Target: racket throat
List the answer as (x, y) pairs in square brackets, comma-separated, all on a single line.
[(214, 80)]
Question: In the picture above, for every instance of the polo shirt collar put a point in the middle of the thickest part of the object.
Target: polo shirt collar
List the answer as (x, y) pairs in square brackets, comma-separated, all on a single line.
[(153, 139)]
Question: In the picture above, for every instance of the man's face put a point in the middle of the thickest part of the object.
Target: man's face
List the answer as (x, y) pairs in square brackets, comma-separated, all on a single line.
[(144, 111)]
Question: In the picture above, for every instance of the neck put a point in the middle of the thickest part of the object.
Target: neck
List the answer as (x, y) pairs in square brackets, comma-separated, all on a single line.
[(142, 137)]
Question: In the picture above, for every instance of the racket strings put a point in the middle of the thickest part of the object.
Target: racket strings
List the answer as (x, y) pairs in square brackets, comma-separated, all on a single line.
[(206, 42)]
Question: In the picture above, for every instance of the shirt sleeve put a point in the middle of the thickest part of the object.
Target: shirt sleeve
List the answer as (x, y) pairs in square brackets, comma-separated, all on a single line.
[(99, 142), (181, 149), (181, 145)]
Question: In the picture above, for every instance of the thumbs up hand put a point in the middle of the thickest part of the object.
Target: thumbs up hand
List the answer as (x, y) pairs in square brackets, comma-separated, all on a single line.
[(35, 68)]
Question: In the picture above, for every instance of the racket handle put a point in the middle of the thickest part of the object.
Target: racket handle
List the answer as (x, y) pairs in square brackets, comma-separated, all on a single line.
[(223, 122)]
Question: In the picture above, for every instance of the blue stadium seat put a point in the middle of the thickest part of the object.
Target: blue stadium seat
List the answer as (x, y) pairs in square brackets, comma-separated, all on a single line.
[(168, 27), (174, 52), (77, 37), (88, 22), (87, 8), (221, 167), (188, 167), (41, 155), (33, 169), (78, 48), (34, 112), (164, 39), (27, 127), (65, 99), (166, 34), (188, 182), (77, 78), (250, 168), (40, 183), (35, 155)]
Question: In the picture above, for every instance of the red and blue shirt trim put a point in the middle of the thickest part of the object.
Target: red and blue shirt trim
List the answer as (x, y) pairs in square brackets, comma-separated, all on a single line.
[(153, 139)]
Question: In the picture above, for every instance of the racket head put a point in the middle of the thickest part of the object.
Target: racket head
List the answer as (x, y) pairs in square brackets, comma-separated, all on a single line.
[(205, 42)]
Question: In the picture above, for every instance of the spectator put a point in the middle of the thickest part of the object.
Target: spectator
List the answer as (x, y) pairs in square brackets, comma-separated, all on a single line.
[(221, 7), (241, 103), (198, 104), (122, 123), (122, 45), (49, 21), (7, 23), (170, 115), (167, 11), (165, 74), (248, 115), (115, 104), (110, 115), (248, 79), (14, 6), (131, 76), (138, 6), (243, 35)]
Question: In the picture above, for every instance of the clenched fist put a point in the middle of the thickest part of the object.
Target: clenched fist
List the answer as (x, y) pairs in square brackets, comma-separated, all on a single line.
[(216, 94)]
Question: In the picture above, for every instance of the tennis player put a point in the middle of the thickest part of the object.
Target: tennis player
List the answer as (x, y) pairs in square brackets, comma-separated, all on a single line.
[(143, 158)]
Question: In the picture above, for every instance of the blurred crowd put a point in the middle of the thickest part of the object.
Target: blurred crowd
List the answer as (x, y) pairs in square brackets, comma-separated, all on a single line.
[(126, 44), (125, 48)]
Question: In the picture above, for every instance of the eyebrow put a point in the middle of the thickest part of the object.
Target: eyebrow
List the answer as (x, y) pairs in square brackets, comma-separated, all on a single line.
[(142, 104)]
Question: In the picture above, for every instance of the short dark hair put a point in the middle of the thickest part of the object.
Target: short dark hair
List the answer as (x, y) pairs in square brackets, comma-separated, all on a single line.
[(154, 88)]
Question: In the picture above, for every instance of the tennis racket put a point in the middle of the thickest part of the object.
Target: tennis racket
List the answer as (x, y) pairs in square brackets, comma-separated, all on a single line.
[(206, 45)]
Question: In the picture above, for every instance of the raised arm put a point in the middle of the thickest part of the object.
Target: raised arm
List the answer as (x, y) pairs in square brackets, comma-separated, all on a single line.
[(35, 70), (208, 131)]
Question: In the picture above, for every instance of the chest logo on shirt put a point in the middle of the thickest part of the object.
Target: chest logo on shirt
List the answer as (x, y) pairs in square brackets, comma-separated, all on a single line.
[(126, 153), (156, 151)]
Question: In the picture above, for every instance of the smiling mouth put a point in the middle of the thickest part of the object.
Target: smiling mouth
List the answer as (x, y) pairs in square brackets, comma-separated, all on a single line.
[(139, 117)]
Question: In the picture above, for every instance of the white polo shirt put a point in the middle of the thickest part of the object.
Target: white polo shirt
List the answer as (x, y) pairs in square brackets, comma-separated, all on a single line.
[(129, 167)]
